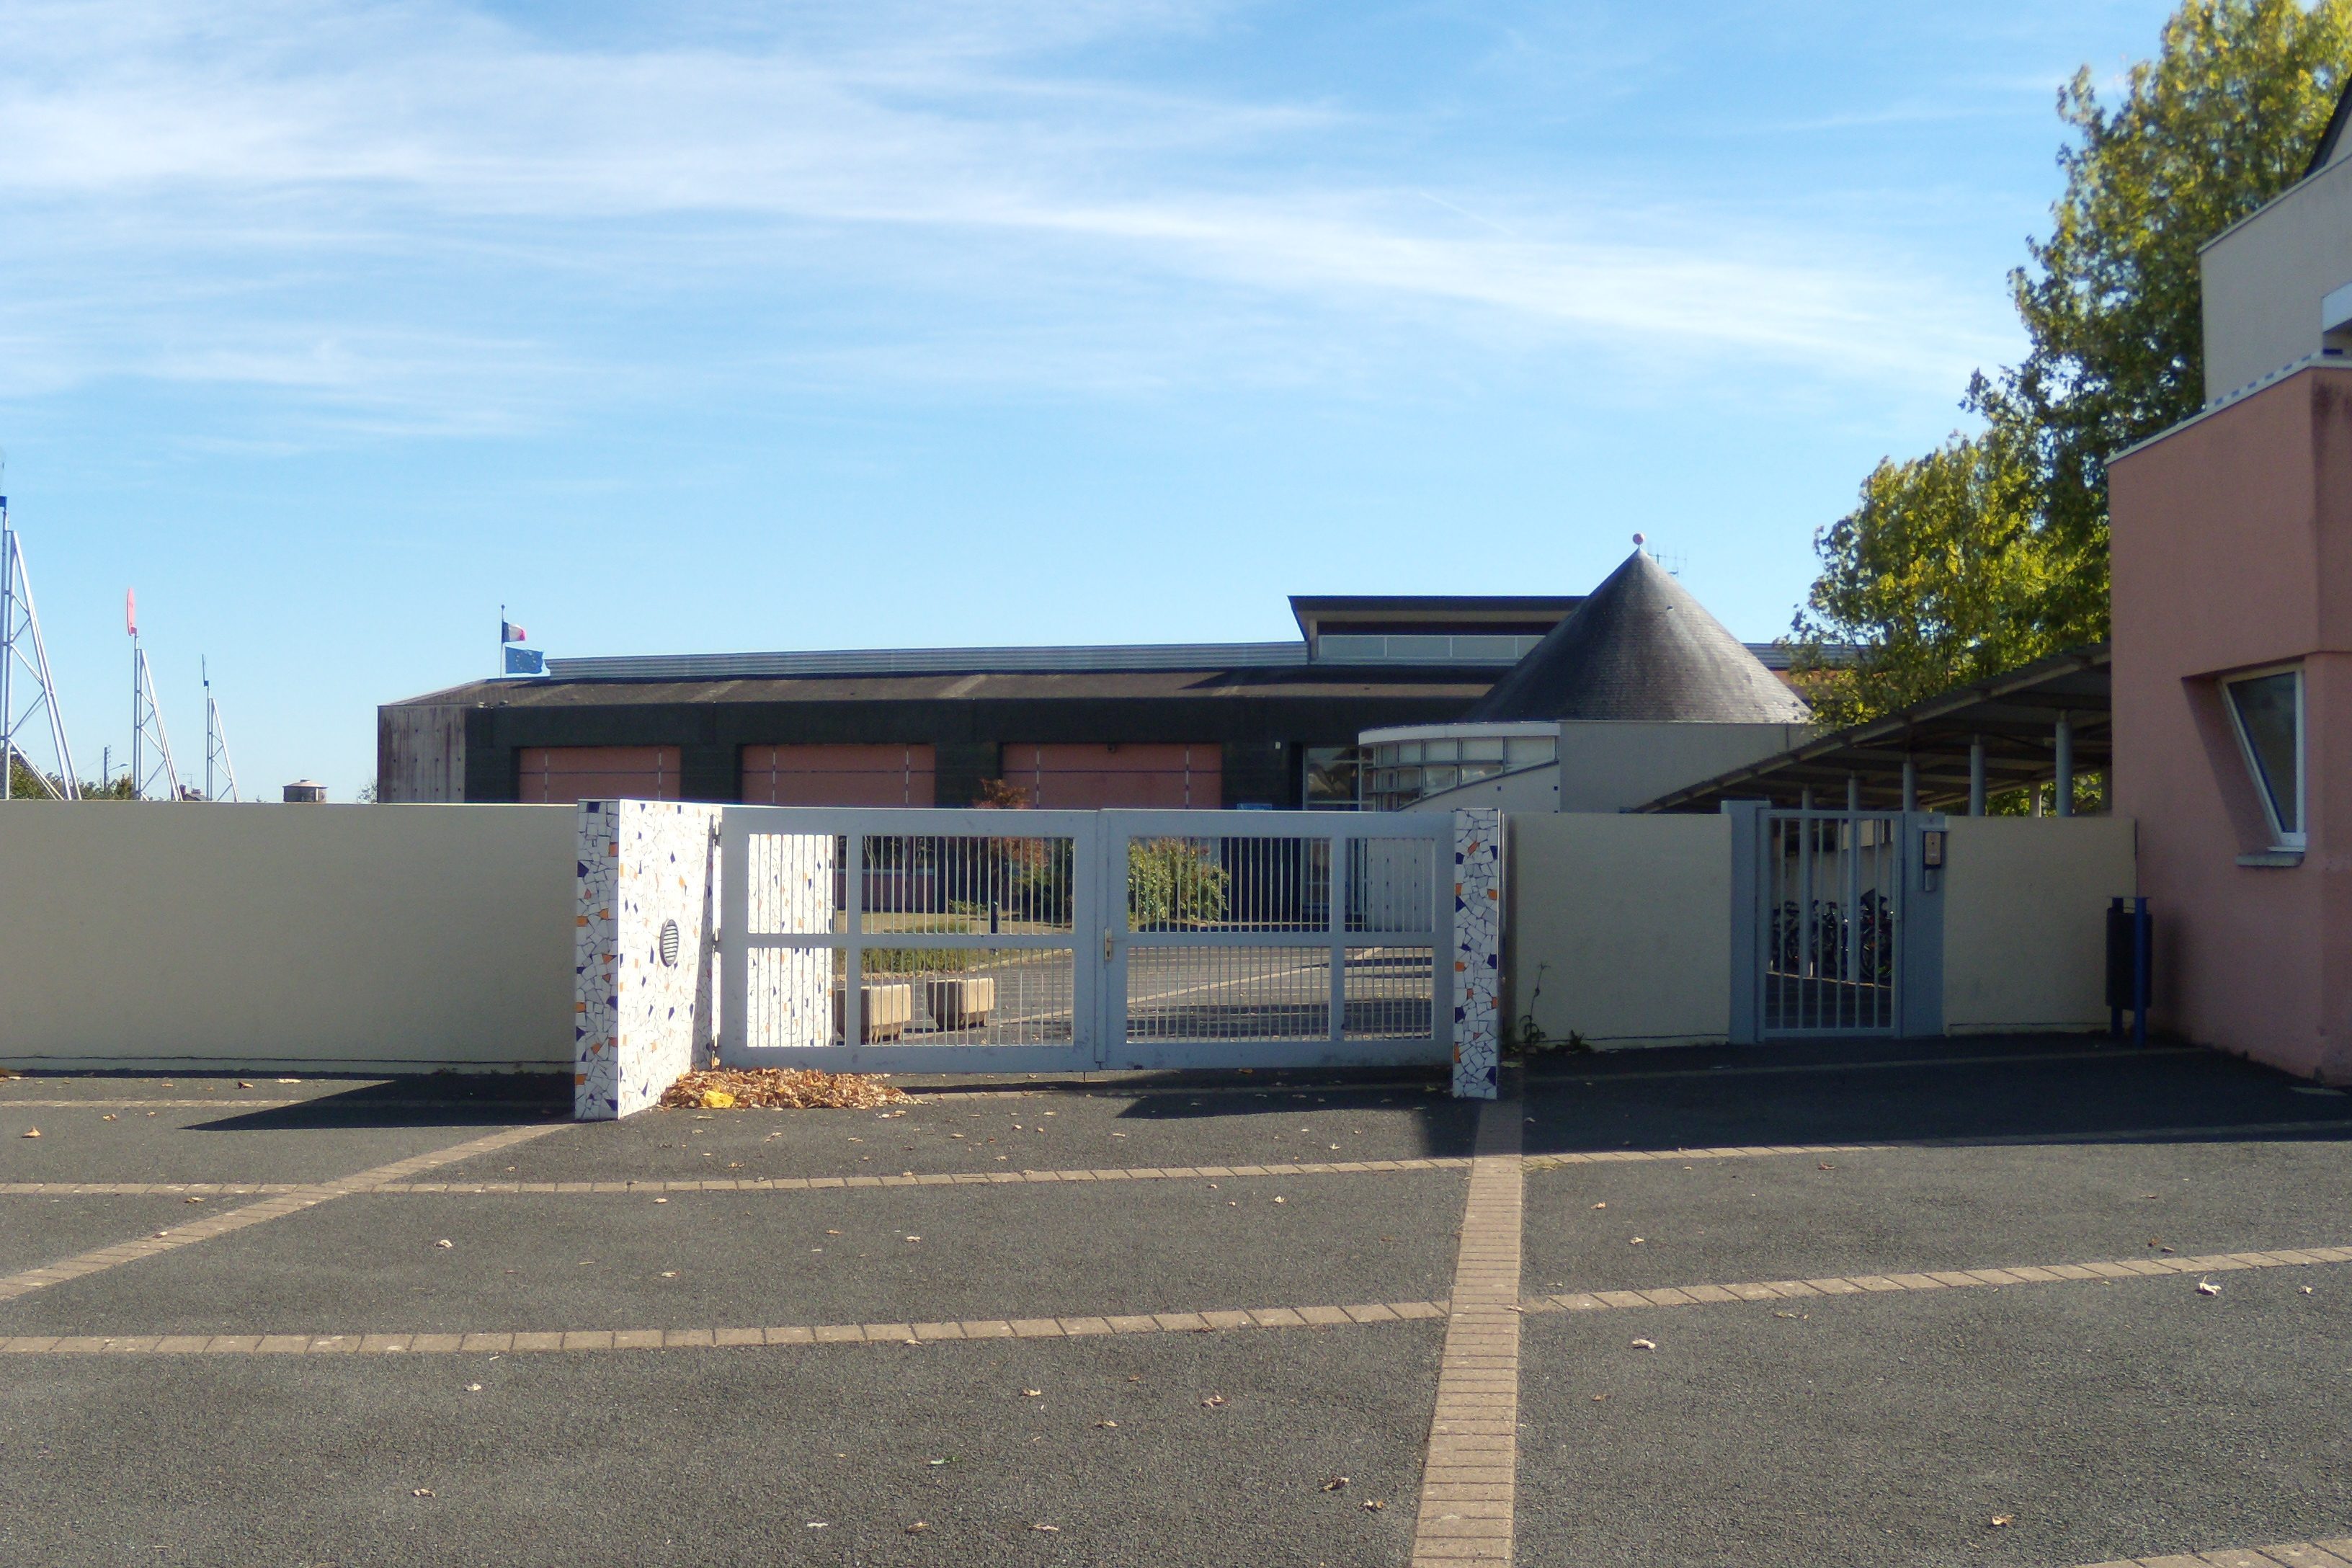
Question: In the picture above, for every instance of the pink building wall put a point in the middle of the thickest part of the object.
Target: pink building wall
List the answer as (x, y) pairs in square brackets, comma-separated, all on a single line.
[(2232, 550)]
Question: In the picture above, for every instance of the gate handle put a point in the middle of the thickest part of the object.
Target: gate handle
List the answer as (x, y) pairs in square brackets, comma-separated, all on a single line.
[(1106, 947)]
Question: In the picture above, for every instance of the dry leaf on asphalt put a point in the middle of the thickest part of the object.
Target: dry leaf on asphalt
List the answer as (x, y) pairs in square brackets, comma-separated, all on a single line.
[(107, 1117), (918, 1527), (473, 1388), (2207, 1288), (1048, 1529), (32, 1132), (1032, 1393), (775, 1088), (1645, 1345), (1336, 1484), (1105, 1425), (1999, 1520), (422, 1491), (444, 1244), (1374, 1505), (1212, 1402), (1600, 1206)]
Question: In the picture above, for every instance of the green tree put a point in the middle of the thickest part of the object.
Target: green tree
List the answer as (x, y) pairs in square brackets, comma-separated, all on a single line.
[(2221, 121), (1929, 577)]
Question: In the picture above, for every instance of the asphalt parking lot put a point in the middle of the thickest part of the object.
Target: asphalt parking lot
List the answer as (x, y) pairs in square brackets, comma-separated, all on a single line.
[(1155, 1321)]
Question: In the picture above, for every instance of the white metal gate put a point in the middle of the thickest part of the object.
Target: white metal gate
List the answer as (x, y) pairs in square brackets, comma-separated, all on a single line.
[(1041, 941), (1832, 887)]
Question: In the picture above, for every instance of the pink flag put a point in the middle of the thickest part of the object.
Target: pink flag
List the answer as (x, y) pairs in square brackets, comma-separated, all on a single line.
[(130, 611)]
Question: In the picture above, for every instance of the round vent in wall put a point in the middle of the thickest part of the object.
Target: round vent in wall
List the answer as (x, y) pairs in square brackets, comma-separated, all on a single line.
[(670, 944)]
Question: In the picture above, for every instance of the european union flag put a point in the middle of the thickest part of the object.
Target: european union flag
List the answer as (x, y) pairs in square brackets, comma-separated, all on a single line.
[(526, 661)]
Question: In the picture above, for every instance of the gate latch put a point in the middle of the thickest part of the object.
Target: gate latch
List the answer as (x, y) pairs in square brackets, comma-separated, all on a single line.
[(1106, 947)]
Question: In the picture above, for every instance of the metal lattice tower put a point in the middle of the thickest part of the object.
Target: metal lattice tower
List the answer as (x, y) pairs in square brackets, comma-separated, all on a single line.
[(147, 729), (216, 744), (21, 649)]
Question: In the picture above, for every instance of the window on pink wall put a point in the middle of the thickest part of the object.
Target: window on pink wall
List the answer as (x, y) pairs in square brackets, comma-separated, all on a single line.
[(1175, 777), (838, 776), (566, 776), (2266, 711)]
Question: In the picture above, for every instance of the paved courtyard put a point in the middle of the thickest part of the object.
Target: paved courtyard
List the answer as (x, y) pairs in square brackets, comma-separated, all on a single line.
[(1988, 1301)]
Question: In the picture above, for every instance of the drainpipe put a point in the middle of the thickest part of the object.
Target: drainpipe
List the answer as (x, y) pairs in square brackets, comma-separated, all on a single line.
[(1976, 777), (1852, 795), (1910, 785), (2066, 767)]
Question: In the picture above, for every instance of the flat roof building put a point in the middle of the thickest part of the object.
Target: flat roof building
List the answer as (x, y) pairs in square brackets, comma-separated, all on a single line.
[(1196, 726)]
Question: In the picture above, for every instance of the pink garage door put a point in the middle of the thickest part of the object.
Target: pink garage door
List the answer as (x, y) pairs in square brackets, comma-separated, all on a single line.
[(566, 776), (1091, 778), (837, 775)]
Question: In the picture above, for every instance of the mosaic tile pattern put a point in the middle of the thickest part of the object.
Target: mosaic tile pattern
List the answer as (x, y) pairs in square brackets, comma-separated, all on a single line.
[(640, 1020), (595, 1076), (1478, 951)]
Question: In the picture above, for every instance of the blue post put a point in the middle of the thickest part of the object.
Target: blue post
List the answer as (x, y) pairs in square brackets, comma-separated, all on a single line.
[(2141, 944), (2114, 1008)]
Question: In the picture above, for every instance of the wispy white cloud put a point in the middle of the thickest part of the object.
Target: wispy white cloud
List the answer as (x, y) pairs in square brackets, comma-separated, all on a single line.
[(187, 180)]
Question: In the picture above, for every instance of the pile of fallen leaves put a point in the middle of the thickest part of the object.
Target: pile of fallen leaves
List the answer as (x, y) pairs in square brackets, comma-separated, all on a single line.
[(774, 1088)]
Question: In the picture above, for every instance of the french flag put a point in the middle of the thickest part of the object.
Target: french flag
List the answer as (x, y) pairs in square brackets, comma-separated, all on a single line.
[(510, 632)]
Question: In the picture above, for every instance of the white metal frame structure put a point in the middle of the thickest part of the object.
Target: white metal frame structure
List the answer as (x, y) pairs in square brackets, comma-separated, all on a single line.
[(147, 731), (915, 940), (1830, 918), (216, 746), (21, 646)]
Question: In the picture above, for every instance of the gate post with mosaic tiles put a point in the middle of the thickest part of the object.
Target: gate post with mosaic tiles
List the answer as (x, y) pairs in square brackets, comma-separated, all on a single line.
[(1477, 952)]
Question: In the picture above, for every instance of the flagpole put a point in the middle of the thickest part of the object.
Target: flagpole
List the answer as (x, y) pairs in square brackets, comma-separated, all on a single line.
[(502, 642)]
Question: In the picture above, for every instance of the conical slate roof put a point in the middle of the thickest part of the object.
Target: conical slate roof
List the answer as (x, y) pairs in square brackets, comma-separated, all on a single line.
[(1641, 648)]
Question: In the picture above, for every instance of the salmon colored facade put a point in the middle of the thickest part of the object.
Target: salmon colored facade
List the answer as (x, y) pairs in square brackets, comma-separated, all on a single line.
[(2232, 557)]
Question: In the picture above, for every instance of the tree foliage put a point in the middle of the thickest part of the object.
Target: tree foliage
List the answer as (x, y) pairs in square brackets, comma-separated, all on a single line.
[(1933, 566), (24, 783), (1993, 550)]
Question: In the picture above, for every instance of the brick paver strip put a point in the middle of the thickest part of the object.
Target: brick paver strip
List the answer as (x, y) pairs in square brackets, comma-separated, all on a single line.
[(2289, 1554), (143, 1189), (678, 1339), (935, 1178), (1468, 1481), (1943, 1279), (940, 1179), (293, 1201), (1756, 1151)]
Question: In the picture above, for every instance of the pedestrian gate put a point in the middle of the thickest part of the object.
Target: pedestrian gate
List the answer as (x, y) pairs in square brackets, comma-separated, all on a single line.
[(1831, 886), (908, 941)]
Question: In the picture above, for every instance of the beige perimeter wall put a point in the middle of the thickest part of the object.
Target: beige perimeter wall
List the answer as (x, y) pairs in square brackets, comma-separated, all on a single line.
[(1629, 919), (324, 937), (2025, 904)]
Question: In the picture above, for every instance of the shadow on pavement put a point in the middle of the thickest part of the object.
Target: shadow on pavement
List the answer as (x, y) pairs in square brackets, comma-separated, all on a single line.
[(436, 1100), (1981, 1089)]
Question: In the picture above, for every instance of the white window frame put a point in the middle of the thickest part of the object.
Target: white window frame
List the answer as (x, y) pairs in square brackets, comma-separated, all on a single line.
[(2280, 837)]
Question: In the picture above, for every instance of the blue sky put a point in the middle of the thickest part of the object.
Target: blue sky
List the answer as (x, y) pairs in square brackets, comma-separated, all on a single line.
[(726, 326)]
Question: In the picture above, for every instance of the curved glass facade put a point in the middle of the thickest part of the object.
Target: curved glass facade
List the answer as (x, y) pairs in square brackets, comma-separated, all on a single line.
[(1397, 772)]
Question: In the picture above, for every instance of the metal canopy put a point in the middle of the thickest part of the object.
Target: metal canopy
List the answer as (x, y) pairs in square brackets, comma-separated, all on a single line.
[(2014, 715)]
